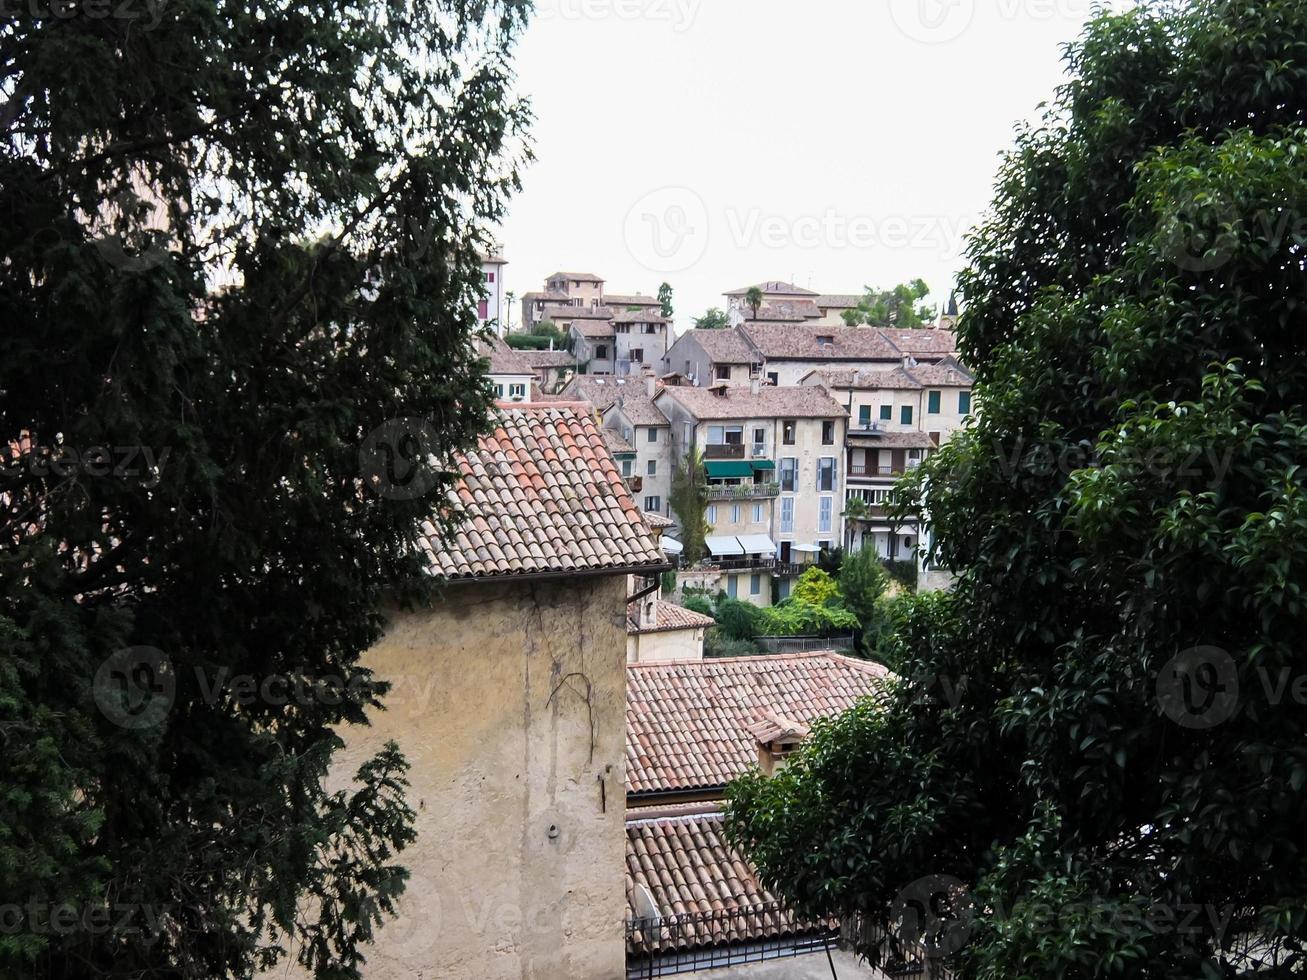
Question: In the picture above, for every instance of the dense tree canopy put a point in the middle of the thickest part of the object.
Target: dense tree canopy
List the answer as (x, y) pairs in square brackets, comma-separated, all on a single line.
[(1094, 764), (902, 306), (239, 311), (713, 319)]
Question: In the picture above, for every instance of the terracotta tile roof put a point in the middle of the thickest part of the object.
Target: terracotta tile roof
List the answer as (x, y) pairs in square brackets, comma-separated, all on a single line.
[(948, 373), (895, 379), (548, 358), (594, 328), (838, 301), (668, 617), (503, 359), (601, 392), (922, 342), (687, 722), (578, 276), (741, 402), (547, 294), (639, 409), (725, 346), (640, 316), (616, 444), (539, 494), (785, 312), (774, 287), (639, 299), (658, 522), (571, 313), (880, 439), (687, 867), (803, 341)]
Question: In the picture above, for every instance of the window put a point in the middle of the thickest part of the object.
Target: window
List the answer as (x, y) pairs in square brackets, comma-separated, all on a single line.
[(757, 513), (755, 584), (864, 416), (905, 414), (828, 433), (517, 391), (653, 435), (964, 402), (622, 328), (774, 378), (828, 341), (787, 515), (932, 402), (722, 372), (716, 435), (759, 441), (637, 355), (711, 516), (788, 430), (734, 435), (499, 391), (653, 467), (626, 467), (790, 474), (735, 513), (825, 508), (483, 309), (826, 474), (687, 430), (490, 277), (653, 505), (733, 586), (601, 352), (886, 412)]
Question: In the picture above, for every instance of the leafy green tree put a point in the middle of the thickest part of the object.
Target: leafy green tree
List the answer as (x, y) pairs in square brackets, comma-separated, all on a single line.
[(863, 580), (753, 300), (902, 307), (210, 489), (665, 297), (737, 620), (714, 319), (552, 333), (689, 502), (815, 607), (698, 603), (1087, 740)]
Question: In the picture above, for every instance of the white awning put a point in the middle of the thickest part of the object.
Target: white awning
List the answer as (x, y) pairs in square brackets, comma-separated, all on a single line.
[(671, 547), (723, 546), (806, 548), (757, 544)]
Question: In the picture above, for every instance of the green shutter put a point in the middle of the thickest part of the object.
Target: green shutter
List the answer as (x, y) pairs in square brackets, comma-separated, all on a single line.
[(905, 414), (886, 412), (964, 402), (932, 403)]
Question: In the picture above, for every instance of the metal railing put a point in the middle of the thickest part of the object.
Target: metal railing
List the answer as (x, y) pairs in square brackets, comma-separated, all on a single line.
[(744, 491), (725, 450), (804, 644), (886, 471), (676, 944), (896, 959)]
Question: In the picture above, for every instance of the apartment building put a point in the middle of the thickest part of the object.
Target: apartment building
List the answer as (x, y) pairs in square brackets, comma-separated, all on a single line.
[(567, 294), (786, 302), (897, 417), (491, 311), (648, 432), (783, 354), (774, 462), (511, 375), (640, 338)]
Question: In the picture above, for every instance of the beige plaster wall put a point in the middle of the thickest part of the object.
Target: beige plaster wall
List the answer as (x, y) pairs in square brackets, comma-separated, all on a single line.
[(643, 648), (509, 704)]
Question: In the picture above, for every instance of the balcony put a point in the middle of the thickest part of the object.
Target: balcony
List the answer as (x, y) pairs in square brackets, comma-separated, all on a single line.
[(733, 450), (744, 491), (871, 472)]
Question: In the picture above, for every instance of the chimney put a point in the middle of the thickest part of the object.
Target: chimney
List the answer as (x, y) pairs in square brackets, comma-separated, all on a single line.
[(650, 385), (776, 738), (755, 385)]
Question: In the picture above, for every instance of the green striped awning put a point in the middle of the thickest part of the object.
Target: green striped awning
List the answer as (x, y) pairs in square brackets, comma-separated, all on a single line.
[(728, 469)]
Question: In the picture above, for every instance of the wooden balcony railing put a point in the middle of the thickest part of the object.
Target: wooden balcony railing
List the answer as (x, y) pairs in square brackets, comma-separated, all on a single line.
[(724, 451)]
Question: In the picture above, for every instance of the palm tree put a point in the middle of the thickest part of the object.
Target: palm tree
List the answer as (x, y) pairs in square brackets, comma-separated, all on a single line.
[(753, 298), (855, 510)]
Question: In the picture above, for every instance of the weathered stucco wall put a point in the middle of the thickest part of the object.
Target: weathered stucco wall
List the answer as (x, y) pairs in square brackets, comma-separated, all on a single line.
[(509, 704), (643, 648)]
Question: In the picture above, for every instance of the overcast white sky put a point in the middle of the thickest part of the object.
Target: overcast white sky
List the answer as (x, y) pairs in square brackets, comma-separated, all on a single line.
[(718, 143)]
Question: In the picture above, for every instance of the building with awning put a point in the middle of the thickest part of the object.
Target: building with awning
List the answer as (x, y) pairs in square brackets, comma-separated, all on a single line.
[(724, 546), (757, 544), (729, 469)]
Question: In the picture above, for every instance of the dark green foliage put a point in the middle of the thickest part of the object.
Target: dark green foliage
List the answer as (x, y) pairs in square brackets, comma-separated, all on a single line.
[(829, 561), (718, 644), (714, 319), (324, 176), (1130, 499), (863, 580), (698, 603), (904, 571), (526, 341), (901, 307), (668, 582), (665, 298), (689, 502), (737, 620)]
